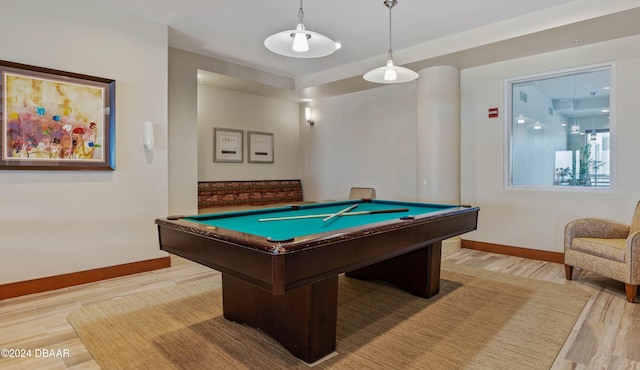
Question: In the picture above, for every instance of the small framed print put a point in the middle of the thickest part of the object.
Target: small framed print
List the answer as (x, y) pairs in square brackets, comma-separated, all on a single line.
[(260, 147), (227, 145)]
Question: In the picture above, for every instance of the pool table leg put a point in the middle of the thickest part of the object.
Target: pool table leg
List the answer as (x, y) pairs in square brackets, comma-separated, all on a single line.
[(303, 319), (417, 272)]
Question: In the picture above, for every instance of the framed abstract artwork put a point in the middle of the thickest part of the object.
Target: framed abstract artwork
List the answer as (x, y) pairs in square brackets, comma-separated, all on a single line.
[(55, 120), (260, 147), (227, 145)]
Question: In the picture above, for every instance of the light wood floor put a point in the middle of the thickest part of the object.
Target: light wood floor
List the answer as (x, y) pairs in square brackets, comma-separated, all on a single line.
[(606, 336)]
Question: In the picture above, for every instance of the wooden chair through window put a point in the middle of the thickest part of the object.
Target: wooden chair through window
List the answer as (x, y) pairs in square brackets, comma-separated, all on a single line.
[(607, 248), (362, 193)]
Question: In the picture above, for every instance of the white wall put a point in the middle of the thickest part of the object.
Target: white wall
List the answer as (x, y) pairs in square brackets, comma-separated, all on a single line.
[(534, 150), (536, 218), (56, 222), (183, 120), (224, 108), (365, 139)]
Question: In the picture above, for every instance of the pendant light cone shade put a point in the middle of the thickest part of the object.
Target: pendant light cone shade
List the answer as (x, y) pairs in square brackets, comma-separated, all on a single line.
[(390, 73), (300, 43)]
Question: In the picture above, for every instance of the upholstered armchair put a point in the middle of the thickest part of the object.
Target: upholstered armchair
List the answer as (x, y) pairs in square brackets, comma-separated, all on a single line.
[(362, 193), (607, 248)]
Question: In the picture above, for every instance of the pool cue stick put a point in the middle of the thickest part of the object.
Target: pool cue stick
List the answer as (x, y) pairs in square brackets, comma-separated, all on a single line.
[(358, 213), (340, 212)]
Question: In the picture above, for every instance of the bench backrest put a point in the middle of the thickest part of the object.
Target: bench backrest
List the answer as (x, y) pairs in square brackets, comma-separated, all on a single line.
[(248, 193)]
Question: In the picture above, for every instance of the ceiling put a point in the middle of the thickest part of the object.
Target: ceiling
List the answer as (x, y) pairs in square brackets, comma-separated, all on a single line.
[(455, 32), (573, 94)]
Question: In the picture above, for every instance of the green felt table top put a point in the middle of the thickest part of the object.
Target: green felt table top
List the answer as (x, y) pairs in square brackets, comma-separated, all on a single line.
[(280, 230)]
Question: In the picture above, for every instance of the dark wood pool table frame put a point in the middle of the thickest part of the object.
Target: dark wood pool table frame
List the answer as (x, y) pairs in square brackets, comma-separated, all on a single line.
[(290, 289)]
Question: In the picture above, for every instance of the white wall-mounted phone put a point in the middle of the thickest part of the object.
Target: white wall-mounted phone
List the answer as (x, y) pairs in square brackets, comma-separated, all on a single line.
[(148, 135)]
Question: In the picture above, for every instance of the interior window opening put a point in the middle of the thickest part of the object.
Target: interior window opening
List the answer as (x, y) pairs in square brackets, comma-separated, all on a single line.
[(560, 129)]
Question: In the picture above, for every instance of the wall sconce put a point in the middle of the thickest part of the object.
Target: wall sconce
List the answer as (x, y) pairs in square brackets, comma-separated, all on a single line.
[(147, 137), (307, 115)]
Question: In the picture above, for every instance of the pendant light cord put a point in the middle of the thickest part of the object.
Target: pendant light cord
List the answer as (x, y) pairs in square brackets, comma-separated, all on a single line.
[(390, 48), (300, 14), (389, 4)]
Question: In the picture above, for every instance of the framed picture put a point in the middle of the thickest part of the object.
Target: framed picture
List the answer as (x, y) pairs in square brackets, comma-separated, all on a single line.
[(55, 120), (227, 145), (260, 147)]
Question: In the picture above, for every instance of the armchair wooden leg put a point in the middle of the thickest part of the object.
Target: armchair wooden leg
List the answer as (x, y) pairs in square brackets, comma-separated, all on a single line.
[(631, 291), (568, 271)]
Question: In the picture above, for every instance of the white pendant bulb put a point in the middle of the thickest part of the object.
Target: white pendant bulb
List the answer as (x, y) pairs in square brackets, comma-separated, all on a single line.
[(390, 73), (300, 43)]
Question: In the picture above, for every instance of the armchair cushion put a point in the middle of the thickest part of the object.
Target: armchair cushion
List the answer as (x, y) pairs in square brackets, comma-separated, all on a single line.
[(595, 228), (612, 249), (362, 193)]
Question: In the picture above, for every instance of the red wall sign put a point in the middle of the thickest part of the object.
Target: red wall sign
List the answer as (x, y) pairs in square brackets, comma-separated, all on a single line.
[(493, 112)]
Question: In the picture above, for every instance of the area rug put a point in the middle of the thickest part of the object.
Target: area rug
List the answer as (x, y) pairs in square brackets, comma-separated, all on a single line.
[(479, 320)]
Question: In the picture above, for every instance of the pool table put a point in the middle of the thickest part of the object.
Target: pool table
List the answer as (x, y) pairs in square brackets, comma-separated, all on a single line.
[(280, 266)]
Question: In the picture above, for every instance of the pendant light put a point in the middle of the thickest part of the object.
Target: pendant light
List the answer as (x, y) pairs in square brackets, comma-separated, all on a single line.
[(300, 43), (390, 73), (594, 133), (575, 128)]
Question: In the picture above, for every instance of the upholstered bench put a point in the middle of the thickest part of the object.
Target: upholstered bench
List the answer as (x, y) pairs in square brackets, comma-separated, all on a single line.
[(234, 195)]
